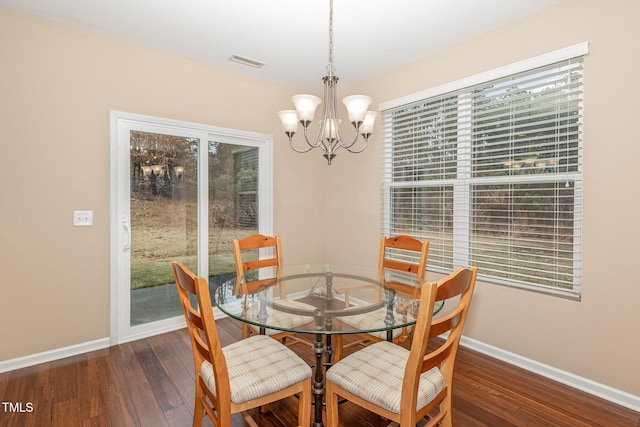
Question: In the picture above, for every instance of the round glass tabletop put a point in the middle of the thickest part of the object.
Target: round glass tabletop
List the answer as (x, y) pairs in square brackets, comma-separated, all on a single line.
[(322, 299)]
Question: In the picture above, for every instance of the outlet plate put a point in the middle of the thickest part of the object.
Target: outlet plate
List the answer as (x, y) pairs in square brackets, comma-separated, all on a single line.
[(82, 218)]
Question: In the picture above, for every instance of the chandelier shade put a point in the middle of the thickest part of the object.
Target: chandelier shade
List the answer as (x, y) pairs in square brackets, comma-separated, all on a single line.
[(289, 119), (357, 107), (306, 106), (329, 138), (369, 121)]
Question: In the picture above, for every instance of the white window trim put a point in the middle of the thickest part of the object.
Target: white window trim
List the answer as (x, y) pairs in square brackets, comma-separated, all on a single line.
[(460, 195), (579, 49)]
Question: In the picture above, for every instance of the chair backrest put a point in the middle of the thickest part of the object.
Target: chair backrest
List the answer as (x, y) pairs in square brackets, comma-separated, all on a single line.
[(460, 284), (398, 253), (256, 242), (203, 333)]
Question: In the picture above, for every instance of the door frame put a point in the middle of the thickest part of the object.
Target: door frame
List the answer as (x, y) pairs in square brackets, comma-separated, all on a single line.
[(119, 219)]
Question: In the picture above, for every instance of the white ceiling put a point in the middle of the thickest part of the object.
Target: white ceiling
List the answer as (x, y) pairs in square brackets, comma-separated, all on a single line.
[(290, 36)]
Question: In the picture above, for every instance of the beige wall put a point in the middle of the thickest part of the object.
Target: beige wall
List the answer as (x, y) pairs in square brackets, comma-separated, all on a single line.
[(57, 86), (56, 89), (598, 337)]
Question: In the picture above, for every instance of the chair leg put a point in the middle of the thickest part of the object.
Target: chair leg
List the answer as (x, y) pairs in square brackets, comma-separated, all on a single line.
[(249, 419), (332, 405), (246, 332), (446, 406), (304, 406), (338, 348), (447, 421), (198, 409)]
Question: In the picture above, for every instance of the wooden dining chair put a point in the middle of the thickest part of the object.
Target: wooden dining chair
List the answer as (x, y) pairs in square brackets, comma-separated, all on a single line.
[(247, 374), (254, 272), (402, 385), (401, 254)]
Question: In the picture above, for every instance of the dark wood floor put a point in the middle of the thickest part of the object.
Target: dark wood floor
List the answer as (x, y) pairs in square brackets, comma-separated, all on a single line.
[(150, 382)]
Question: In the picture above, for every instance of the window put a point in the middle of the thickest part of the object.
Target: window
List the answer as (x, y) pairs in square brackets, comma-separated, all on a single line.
[(489, 170)]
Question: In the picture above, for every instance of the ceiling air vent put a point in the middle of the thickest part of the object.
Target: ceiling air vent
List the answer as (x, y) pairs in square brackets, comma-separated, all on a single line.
[(246, 61)]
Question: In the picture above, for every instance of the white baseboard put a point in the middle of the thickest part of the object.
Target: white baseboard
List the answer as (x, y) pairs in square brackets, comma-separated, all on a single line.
[(619, 397), (55, 354)]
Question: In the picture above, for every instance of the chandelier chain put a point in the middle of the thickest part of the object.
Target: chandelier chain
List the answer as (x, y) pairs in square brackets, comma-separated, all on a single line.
[(330, 67)]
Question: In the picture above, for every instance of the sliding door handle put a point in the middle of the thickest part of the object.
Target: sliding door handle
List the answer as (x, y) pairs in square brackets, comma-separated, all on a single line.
[(127, 234)]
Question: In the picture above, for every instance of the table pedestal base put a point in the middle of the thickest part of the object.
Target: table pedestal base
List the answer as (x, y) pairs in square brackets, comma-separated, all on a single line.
[(318, 387)]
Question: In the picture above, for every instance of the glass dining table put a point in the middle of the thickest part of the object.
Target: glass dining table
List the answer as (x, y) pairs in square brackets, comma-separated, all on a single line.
[(323, 300)]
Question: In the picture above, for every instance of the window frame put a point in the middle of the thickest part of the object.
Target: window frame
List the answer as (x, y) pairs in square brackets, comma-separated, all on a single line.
[(461, 184)]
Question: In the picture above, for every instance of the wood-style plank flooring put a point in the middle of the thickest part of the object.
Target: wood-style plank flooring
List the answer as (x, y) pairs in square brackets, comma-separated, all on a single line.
[(150, 382)]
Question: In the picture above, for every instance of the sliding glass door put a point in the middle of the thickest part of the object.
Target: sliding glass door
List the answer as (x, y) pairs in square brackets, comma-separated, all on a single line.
[(182, 192)]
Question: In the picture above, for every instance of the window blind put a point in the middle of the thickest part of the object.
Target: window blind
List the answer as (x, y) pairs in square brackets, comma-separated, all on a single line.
[(491, 175)]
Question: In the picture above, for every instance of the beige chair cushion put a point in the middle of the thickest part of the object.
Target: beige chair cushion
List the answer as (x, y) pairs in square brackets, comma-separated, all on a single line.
[(279, 318), (257, 366), (371, 320), (375, 374)]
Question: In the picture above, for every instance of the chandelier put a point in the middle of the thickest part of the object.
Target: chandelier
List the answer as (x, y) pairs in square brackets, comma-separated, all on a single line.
[(329, 138)]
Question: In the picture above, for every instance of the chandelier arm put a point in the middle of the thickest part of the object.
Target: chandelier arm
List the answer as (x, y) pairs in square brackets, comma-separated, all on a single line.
[(348, 148), (298, 150), (332, 100), (319, 140), (323, 121), (318, 143)]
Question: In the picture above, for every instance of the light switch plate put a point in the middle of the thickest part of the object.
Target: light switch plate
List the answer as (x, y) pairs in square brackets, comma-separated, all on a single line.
[(82, 218)]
